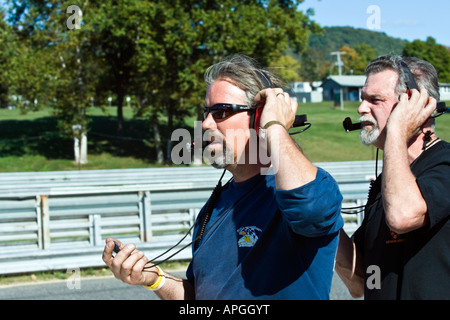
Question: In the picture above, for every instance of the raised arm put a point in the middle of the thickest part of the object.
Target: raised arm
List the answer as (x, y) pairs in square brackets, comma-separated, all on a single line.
[(292, 169), (403, 203)]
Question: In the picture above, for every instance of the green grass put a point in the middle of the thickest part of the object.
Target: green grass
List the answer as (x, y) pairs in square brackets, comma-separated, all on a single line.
[(31, 141), (327, 141)]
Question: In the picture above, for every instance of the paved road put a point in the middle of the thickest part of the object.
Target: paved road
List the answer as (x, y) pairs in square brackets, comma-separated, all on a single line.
[(108, 289)]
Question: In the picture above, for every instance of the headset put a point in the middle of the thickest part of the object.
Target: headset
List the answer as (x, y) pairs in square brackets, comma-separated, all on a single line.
[(441, 108), (255, 117)]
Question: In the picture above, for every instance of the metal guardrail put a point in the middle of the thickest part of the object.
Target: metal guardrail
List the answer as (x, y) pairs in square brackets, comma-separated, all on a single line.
[(57, 220)]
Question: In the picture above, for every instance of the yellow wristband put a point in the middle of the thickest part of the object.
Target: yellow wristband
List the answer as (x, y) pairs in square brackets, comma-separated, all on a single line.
[(159, 283)]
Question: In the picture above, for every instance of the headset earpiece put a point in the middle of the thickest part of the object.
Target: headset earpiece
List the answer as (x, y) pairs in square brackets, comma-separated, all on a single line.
[(256, 115)]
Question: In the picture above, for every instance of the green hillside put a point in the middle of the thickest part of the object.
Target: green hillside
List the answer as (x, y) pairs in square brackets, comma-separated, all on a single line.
[(333, 38)]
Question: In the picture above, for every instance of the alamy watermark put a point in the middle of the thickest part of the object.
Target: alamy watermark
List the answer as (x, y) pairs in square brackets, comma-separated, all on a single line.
[(374, 277), (74, 21), (373, 22), (73, 282)]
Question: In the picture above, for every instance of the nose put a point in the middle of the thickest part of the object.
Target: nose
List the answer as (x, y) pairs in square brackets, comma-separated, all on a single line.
[(364, 107), (209, 123)]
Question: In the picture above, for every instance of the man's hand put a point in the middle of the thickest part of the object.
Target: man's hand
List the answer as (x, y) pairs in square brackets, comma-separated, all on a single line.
[(128, 264), (278, 106), (411, 114)]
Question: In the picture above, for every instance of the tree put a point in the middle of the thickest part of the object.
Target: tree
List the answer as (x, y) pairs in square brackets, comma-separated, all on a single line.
[(314, 64), (180, 39), (287, 68), (7, 45), (52, 65), (355, 60), (434, 53), (156, 51)]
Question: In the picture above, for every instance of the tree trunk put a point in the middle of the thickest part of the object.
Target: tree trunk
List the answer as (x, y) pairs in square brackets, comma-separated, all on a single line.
[(80, 149), (159, 151), (120, 96), (169, 130)]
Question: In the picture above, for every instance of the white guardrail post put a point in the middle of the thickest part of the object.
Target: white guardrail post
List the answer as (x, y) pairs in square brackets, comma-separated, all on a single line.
[(45, 222), (145, 213)]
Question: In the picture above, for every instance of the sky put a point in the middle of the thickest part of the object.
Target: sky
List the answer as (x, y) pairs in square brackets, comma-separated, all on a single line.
[(404, 19)]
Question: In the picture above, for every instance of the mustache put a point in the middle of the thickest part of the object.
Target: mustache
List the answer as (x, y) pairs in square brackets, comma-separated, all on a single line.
[(368, 118), (208, 137)]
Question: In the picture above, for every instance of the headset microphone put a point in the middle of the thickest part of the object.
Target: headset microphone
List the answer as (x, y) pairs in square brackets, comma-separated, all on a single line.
[(300, 121), (349, 126), (441, 108)]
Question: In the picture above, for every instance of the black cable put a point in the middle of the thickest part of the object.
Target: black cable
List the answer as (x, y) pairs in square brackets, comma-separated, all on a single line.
[(307, 124), (209, 208), (363, 206), (198, 237)]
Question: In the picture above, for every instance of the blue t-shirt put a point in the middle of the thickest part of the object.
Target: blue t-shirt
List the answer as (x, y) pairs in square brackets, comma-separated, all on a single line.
[(263, 243)]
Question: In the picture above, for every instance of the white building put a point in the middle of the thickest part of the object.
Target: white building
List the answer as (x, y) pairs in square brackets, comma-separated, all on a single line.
[(444, 91), (307, 91)]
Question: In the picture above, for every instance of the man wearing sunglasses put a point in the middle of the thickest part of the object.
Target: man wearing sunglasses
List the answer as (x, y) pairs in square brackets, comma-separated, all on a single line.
[(260, 236)]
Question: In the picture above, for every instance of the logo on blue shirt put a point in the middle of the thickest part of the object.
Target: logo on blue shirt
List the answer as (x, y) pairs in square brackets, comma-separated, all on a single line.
[(249, 236)]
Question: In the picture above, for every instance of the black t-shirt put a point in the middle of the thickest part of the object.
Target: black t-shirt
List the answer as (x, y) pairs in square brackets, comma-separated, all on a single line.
[(415, 265)]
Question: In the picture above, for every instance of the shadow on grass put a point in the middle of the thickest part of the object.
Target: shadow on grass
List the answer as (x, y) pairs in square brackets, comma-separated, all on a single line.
[(41, 137)]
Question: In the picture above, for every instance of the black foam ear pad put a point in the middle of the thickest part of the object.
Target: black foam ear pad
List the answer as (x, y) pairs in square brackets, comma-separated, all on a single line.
[(252, 119), (255, 118)]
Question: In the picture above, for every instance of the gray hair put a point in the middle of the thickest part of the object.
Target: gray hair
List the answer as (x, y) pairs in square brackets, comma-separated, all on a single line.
[(424, 73), (244, 72)]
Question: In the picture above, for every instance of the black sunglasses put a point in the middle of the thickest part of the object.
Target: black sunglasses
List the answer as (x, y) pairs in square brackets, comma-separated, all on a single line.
[(222, 111)]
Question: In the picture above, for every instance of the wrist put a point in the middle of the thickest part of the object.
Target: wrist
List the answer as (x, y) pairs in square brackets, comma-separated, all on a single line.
[(271, 125), (159, 282)]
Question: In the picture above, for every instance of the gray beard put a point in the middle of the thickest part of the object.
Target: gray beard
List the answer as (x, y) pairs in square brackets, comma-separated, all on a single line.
[(369, 137), (222, 159)]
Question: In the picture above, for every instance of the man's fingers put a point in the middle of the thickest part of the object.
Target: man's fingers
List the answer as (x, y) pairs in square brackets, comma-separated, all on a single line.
[(108, 251), (128, 265), (266, 93)]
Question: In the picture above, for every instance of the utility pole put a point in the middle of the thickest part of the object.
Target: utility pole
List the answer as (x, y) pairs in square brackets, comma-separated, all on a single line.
[(339, 64)]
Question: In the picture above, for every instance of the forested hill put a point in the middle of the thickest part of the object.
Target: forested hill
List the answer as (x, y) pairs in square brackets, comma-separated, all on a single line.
[(360, 47), (333, 38)]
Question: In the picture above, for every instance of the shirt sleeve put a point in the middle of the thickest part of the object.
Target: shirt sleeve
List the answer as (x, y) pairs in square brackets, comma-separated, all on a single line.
[(314, 209)]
